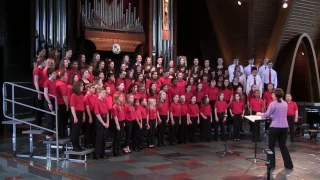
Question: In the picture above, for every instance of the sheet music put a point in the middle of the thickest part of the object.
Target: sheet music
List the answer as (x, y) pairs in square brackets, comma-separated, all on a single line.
[(254, 118)]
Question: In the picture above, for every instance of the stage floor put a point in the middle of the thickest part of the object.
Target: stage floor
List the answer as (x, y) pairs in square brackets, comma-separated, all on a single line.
[(190, 161)]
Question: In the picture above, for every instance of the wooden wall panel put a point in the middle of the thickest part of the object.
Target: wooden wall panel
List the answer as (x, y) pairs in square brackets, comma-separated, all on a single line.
[(305, 18), (264, 18)]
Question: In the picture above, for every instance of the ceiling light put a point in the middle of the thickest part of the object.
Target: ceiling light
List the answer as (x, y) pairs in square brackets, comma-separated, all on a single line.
[(285, 5), (302, 53), (239, 3)]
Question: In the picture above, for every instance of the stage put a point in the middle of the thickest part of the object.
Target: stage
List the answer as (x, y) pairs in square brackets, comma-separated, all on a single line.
[(190, 161)]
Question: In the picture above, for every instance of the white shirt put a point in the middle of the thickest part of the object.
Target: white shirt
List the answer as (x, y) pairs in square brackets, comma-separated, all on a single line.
[(274, 78), (250, 82), (242, 80), (261, 69), (231, 68), (247, 69)]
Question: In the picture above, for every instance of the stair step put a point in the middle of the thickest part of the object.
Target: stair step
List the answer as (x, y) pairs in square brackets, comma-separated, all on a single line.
[(81, 153), (18, 122), (33, 132), (60, 141)]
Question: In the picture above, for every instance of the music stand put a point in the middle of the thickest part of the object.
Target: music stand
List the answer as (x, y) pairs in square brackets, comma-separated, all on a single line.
[(255, 119), (225, 151)]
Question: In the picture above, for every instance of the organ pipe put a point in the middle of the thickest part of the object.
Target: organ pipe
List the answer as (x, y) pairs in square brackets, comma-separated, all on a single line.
[(50, 29), (111, 15)]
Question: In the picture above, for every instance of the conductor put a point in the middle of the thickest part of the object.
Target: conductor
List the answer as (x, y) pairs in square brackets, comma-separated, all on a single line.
[(279, 128)]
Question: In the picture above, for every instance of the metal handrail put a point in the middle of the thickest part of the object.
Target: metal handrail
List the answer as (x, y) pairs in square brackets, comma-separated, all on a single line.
[(12, 100)]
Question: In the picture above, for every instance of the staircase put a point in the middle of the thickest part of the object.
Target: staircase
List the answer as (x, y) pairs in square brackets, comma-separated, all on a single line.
[(12, 117)]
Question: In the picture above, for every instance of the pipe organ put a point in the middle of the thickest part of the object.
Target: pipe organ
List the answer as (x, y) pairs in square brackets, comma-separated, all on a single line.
[(113, 15), (50, 24), (107, 23)]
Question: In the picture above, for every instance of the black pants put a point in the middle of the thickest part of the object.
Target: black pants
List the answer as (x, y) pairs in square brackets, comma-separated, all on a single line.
[(174, 129), (63, 116), (76, 128), (152, 131), (40, 105), (222, 126), (236, 126), (183, 132), (90, 130), (279, 134), (229, 121), (291, 126), (162, 129), (128, 129), (117, 137), (101, 136), (205, 128), (255, 129), (212, 103), (136, 135), (50, 119), (144, 131), (193, 129)]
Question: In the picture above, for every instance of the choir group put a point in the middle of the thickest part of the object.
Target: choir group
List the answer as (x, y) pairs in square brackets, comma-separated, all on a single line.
[(142, 99)]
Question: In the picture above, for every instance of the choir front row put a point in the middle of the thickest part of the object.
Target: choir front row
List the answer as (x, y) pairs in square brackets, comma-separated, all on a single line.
[(93, 112)]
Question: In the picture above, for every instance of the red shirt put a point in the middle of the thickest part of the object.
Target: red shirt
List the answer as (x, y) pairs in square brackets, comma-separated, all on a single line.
[(77, 102), (109, 101), (184, 109), (152, 114), (135, 95), (154, 96), (256, 104), (69, 87), (173, 91), (237, 107), (141, 95), (163, 108), (91, 77), (74, 72), (188, 96), (206, 109), (41, 76), (101, 107), (250, 96), (130, 112), (181, 85), (127, 83), (205, 86), (221, 106), (51, 85), (119, 80), (61, 90), (111, 85), (267, 95), (166, 81), (175, 109), (193, 88), (199, 95), (212, 93), (143, 111), (138, 114), (292, 108), (228, 93), (120, 113), (157, 83), (193, 110), (90, 100), (67, 71)]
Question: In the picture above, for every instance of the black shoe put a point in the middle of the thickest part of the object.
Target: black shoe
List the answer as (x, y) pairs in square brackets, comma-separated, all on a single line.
[(289, 167), (141, 148), (292, 140), (115, 155), (163, 144), (96, 158), (159, 145), (172, 144), (136, 150)]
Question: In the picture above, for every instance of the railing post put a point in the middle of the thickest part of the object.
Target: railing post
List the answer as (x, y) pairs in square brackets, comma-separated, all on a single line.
[(57, 130), (13, 125)]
